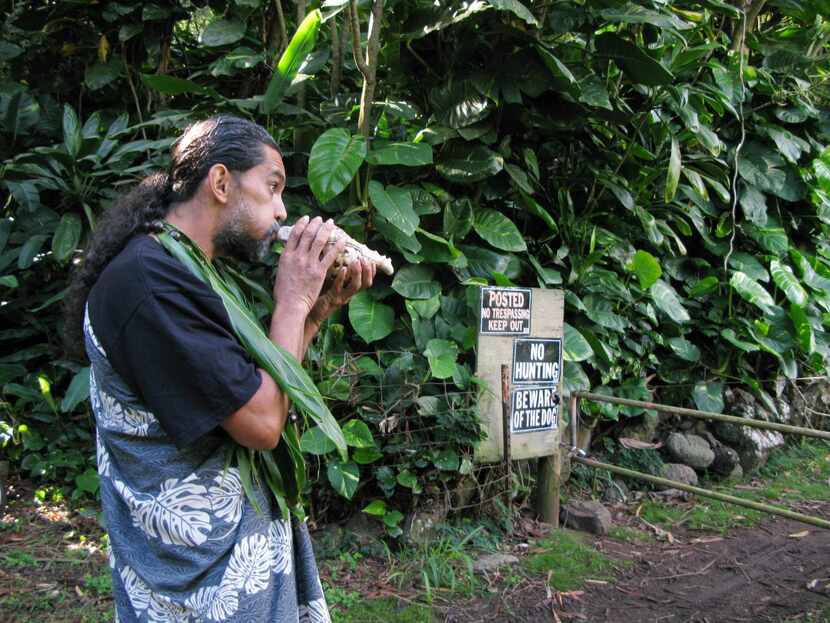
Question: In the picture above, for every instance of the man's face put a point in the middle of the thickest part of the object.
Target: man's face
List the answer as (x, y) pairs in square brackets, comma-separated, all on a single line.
[(255, 209)]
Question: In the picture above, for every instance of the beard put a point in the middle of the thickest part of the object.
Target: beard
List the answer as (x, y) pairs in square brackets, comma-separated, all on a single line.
[(235, 238)]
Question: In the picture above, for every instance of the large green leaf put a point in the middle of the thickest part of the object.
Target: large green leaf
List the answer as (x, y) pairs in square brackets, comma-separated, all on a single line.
[(708, 396), (370, 319), (300, 46), (751, 291), (754, 205), (344, 476), (764, 168), (395, 205), (71, 131), (223, 32), (415, 282), (634, 61), (66, 237), (335, 158), (405, 154), (646, 267), (463, 164), (441, 355), (749, 265), (684, 349), (314, 441), (29, 250), (532, 206), (666, 299), (171, 85), (784, 278), (803, 329), (556, 67), (78, 391), (498, 230), (576, 347), (358, 435)]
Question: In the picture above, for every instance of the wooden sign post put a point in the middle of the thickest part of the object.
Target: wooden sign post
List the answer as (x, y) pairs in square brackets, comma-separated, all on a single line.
[(522, 329)]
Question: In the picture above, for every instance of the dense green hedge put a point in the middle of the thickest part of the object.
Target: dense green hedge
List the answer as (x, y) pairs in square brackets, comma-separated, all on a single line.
[(670, 178)]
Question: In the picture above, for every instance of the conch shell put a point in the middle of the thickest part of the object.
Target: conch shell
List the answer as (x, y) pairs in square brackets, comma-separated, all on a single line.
[(353, 251)]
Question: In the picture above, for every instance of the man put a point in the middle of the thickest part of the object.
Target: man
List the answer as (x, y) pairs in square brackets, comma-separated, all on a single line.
[(170, 383)]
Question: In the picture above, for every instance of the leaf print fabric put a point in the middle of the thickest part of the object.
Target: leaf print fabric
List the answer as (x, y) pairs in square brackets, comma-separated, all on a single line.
[(186, 546), (279, 534), (249, 568), (315, 611), (226, 496)]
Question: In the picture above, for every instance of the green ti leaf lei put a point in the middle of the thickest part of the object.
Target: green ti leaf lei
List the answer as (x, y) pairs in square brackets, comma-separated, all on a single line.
[(282, 469)]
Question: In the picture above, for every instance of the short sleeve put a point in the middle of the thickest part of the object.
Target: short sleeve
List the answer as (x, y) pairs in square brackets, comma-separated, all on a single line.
[(178, 352)]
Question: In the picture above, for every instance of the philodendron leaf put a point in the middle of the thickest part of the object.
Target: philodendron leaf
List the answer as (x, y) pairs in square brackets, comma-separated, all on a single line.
[(335, 158), (666, 299), (635, 62), (344, 477), (358, 435), (806, 337), (498, 230), (314, 441), (517, 8), (370, 319), (405, 154), (684, 349), (646, 267), (300, 46), (223, 32), (576, 347), (71, 131), (751, 291), (709, 396), (395, 205), (66, 237), (441, 355), (78, 391), (464, 165), (785, 279), (673, 173), (415, 282)]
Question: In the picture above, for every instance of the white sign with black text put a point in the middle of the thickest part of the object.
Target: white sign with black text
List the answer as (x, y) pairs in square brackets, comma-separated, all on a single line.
[(534, 409)]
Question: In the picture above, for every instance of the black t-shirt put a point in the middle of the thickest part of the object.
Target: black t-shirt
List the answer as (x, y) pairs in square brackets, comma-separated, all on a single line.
[(167, 334)]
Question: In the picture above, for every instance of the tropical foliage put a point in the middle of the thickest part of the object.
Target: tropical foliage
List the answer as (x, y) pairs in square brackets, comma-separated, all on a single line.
[(663, 163)]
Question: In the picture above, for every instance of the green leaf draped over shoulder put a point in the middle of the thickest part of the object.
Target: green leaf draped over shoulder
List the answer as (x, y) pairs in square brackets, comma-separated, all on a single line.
[(279, 363)]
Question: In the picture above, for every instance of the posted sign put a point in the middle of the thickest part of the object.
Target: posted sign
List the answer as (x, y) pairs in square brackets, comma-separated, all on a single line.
[(505, 311)]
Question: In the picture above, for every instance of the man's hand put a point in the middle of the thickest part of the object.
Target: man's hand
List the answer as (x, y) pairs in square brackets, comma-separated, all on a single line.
[(304, 264), (348, 282)]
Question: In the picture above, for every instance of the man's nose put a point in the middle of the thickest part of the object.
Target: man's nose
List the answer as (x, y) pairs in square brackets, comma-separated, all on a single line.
[(280, 212)]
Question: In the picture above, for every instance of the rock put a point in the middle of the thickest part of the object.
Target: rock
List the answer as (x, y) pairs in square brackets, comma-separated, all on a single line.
[(419, 526), (491, 562), (615, 492), (463, 492), (365, 533), (680, 473), (752, 444), (692, 450), (808, 402), (587, 515), (726, 460)]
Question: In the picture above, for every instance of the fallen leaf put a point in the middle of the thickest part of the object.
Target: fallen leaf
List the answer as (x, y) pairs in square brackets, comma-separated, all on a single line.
[(636, 444), (707, 539), (799, 535)]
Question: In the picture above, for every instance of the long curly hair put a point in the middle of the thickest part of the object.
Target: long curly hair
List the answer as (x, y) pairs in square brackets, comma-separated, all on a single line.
[(223, 139)]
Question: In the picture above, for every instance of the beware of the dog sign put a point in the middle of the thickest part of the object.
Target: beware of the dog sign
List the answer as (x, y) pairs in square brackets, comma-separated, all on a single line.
[(534, 409)]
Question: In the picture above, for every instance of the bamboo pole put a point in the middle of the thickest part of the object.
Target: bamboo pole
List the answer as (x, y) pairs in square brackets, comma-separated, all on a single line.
[(723, 497), (704, 415)]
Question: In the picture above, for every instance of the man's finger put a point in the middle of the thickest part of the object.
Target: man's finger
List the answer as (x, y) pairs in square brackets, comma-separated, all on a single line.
[(296, 233), (368, 274), (332, 252), (310, 233), (321, 238), (355, 278)]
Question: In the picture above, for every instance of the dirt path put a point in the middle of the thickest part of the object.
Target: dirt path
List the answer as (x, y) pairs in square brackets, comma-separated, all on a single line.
[(751, 574)]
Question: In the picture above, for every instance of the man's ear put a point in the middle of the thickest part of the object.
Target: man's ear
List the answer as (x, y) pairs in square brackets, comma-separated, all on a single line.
[(219, 183)]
